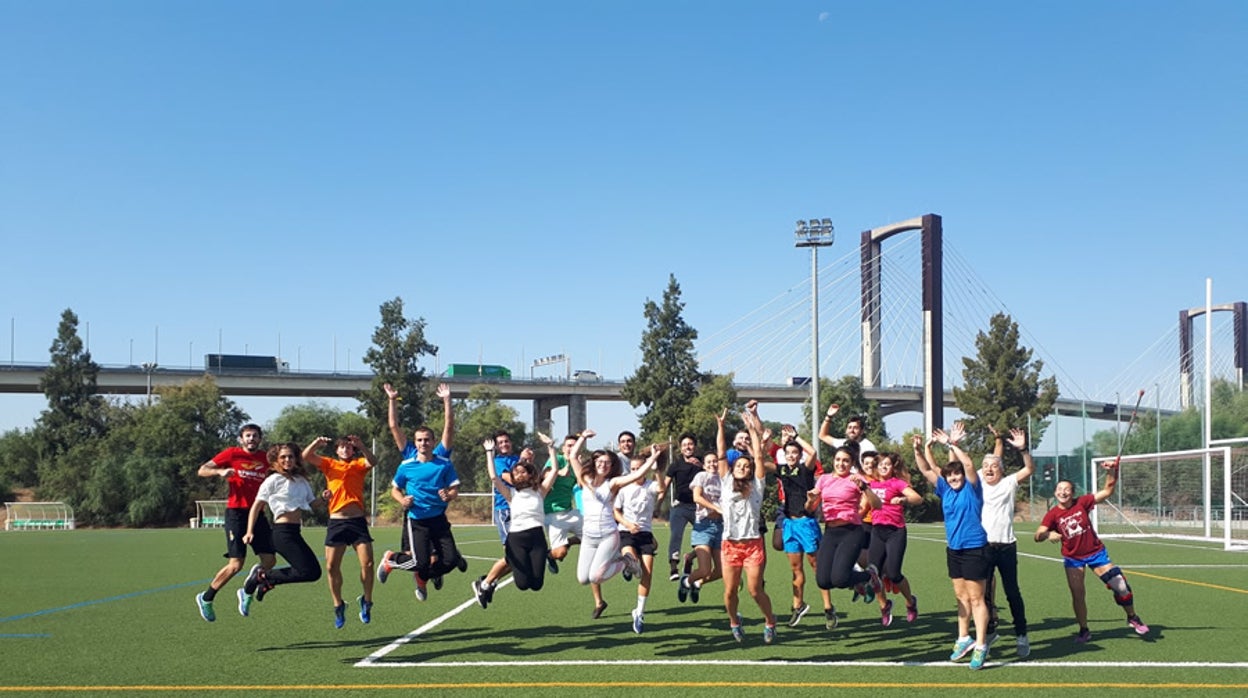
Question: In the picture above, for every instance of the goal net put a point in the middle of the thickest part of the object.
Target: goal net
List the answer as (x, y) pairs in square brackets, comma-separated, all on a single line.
[(28, 516), (1194, 495)]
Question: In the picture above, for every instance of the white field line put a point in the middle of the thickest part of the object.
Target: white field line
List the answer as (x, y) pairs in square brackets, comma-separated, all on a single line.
[(781, 662)]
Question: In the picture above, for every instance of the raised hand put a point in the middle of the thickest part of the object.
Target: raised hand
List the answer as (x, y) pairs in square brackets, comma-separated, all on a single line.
[(939, 436), (390, 391), (956, 434), (833, 409), (588, 434), (994, 432), (444, 391), (545, 439), (1018, 439), (721, 417), (488, 445), (917, 441)]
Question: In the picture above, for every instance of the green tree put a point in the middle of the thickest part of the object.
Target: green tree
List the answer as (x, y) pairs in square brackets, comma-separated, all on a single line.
[(848, 393), (1002, 387), (304, 422), (398, 345), (668, 379), (19, 456), (75, 408), (713, 396)]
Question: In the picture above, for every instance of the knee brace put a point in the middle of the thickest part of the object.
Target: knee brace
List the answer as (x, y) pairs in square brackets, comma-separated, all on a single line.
[(1115, 582)]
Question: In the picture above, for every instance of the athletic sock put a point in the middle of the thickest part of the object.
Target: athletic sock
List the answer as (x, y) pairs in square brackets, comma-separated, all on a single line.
[(641, 604), (210, 594)]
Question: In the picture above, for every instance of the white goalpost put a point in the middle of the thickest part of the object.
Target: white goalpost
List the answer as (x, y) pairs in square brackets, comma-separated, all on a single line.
[(1198, 494)]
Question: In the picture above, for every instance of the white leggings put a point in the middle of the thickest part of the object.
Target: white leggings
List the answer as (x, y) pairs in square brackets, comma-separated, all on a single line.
[(599, 559)]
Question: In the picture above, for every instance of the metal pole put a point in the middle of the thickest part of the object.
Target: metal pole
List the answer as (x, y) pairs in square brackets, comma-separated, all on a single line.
[(1157, 388), (1208, 419), (814, 346)]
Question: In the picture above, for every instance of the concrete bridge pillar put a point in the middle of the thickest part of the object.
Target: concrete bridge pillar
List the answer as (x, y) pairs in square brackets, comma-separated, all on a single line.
[(577, 414)]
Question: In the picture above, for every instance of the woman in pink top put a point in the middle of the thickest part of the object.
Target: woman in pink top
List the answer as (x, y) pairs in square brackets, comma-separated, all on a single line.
[(841, 492), (888, 532)]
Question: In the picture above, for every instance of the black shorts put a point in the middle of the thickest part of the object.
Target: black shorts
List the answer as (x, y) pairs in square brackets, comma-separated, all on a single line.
[(347, 532), (236, 528), (642, 541), (974, 564)]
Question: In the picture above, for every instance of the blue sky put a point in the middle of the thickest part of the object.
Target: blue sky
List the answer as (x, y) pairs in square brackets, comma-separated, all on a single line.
[(526, 174)]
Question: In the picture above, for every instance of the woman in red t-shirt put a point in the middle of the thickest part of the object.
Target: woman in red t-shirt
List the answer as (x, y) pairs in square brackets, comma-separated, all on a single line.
[(1068, 522)]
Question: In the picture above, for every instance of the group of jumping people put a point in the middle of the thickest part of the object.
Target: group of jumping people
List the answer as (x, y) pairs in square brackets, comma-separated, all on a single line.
[(606, 503)]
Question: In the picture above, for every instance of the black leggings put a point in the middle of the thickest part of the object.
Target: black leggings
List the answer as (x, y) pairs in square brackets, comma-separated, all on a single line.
[(304, 565), (526, 552), (838, 551), (424, 538), (1004, 557), (888, 550)]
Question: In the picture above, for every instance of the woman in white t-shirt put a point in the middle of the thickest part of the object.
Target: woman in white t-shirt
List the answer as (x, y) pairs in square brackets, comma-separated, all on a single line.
[(287, 493), (600, 557), (708, 533), (526, 548), (741, 504), (634, 514)]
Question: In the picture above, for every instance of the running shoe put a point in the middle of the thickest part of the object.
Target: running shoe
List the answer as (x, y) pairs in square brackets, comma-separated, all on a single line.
[(639, 621), (552, 565), (478, 591), (1024, 646), (1083, 636), (366, 609), (798, 613), (769, 634), (695, 590), (244, 603), (978, 657), (682, 589), (859, 592), (265, 587), (598, 610), (991, 639), (437, 583), (205, 608), (383, 567), (340, 615), (422, 591), (912, 609), (873, 584), (1138, 625), (829, 618), (738, 634), (961, 648), (886, 614), (461, 564), (252, 581), (632, 568), (675, 573)]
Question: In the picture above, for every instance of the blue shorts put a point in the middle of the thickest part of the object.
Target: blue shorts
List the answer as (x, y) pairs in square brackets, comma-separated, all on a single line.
[(1097, 559), (707, 533), (801, 535), (502, 521)]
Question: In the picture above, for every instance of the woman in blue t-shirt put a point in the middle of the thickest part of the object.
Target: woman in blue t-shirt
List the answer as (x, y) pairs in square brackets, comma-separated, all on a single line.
[(962, 501)]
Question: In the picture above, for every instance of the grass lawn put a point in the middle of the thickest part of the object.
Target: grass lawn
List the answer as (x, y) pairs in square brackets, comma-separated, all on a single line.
[(112, 612)]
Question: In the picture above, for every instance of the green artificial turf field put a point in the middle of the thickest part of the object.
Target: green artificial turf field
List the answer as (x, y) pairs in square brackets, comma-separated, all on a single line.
[(110, 612)]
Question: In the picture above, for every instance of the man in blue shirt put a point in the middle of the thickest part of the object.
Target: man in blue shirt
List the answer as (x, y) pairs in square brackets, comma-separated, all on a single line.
[(424, 484)]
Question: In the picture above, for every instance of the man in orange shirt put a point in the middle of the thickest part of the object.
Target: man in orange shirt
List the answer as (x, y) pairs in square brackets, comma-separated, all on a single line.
[(348, 522)]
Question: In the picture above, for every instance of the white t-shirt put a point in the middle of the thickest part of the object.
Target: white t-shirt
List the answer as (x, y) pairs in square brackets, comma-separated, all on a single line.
[(742, 515), (709, 482), (636, 504), (286, 494), (599, 521), (527, 509), (998, 511)]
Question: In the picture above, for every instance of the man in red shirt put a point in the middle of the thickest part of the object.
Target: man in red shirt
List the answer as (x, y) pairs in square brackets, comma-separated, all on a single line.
[(1068, 523), (244, 467)]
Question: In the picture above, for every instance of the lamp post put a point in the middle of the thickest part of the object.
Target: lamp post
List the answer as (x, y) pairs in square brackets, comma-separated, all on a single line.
[(148, 367), (814, 234)]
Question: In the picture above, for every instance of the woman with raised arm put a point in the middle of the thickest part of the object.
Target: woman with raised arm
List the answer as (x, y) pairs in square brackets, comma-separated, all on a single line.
[(741, 502), (1068, 523), (600, 558), (525, 549), (634, 514), (888, 533), (708, 532), (962, 500), (842, 494)]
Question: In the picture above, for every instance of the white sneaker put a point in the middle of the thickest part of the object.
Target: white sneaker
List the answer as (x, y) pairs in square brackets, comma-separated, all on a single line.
[(639, 621)]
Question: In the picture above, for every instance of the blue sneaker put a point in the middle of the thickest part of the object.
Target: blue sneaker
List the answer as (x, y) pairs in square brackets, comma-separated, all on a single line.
[(205, 608), (738, 634), (961, 648), (383, 567), (366, 609), (978, 657), (340, 615), (769, 634), (639, 621), (244, 603)]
